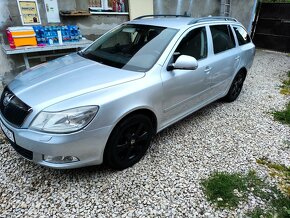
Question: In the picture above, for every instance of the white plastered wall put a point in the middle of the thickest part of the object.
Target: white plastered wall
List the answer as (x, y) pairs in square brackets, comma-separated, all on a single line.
[(140, 7), (5, 63)]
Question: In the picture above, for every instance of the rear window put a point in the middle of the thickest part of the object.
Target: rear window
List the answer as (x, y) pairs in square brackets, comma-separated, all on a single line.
[(222, 37), (242, 35)]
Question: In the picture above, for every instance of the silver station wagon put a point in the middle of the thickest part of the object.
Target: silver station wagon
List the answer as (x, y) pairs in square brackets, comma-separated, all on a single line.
[(105, 103)]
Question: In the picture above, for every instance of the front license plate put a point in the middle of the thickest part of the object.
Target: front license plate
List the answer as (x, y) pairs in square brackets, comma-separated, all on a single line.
[(9, 134)]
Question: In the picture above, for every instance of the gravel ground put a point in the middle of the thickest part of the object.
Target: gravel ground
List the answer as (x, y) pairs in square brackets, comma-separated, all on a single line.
[(224, 137)]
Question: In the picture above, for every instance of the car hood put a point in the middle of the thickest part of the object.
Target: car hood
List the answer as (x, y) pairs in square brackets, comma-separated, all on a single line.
[(66, 77)]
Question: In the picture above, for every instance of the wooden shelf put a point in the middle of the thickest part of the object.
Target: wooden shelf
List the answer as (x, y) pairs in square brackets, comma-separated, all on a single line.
[(109, 13), (74, 13)]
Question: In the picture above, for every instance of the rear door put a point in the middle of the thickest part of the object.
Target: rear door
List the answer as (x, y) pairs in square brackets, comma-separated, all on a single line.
[(246, 47), (224, 58)]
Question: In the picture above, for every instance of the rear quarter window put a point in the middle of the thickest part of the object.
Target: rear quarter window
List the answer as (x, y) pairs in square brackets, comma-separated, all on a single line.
[(242, 35)]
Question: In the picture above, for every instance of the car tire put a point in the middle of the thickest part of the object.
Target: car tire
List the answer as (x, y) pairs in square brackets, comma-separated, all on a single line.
[(128, 141), (236, 87)]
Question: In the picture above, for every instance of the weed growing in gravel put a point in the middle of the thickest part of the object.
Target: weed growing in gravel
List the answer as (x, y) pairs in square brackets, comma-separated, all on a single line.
[(258, 213), (283, 116), (278, 200), (281, 172), (287, 144), (285, 87), (229, 189)]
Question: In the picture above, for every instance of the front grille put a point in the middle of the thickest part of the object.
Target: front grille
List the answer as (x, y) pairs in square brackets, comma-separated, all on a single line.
[(22, 151), (13, 109)]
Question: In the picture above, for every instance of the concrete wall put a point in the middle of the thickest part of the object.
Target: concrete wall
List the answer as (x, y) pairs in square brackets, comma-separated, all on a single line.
[(95, 25), (195, 8), (140, 8), (243, 11), (9, 16), (10, 66), (5, 63), (91, 27)]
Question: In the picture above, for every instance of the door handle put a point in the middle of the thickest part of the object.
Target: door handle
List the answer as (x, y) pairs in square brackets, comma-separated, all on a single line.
[(237, 58), (207, 69)]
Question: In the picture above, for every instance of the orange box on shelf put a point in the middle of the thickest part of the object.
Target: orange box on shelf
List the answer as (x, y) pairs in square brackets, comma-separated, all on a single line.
[(21, 36)]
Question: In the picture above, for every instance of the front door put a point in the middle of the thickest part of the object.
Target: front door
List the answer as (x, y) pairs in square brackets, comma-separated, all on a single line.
[(185, 90)]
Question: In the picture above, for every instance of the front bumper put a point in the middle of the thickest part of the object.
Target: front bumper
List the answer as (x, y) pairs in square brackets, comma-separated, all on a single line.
[(87, 146)]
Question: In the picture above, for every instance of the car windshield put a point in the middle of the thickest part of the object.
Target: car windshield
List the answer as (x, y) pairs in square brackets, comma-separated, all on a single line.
[(130, 47)]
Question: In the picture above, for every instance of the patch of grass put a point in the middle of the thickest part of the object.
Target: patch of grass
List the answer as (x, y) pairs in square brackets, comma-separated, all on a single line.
[(258, 213), (222, 187), (227, 190), (256, 185), (283, 116), (278, 199), (280, 204)]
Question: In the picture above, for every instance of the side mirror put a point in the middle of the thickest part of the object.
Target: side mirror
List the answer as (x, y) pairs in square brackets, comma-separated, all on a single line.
[(184, 62)]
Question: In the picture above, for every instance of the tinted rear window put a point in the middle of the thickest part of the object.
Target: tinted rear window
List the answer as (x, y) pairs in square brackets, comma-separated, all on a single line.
[(222, 37)]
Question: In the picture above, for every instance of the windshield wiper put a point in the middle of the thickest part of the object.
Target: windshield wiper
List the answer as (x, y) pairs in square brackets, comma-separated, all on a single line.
[(81, 53)]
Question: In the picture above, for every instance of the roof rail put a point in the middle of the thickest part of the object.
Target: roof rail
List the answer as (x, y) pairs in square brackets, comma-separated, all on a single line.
[(160, 15), (215, 18)]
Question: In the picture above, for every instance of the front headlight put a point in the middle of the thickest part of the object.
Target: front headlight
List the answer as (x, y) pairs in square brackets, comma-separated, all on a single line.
[(64, 121)]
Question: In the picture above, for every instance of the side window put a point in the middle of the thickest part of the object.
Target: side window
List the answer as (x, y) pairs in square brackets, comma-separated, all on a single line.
[(242, 35), (193, 44), (222, 37)]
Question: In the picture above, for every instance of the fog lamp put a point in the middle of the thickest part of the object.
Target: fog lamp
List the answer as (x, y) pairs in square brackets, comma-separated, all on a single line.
[(60, 159)]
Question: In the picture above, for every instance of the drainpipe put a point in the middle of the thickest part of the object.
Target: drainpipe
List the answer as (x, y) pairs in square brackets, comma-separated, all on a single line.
[(252, 16)]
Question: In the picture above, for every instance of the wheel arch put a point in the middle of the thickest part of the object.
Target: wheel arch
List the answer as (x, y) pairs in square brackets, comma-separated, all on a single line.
[(144, 111), (242, 70), (107, 158)]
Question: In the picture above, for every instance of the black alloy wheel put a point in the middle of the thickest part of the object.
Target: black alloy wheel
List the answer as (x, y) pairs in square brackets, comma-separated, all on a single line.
[(129, 141), (236, 87)]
